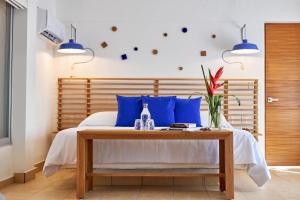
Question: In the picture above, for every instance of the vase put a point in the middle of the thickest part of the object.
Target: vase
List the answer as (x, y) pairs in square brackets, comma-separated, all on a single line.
[(214, 118), (214, 111)]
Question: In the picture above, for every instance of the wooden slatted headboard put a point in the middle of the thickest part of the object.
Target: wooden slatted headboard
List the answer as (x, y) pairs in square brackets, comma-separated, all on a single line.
[(80, 97)]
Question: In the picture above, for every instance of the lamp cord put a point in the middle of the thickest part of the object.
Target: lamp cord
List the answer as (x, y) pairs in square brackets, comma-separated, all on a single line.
[(228, 62), (86, 61)]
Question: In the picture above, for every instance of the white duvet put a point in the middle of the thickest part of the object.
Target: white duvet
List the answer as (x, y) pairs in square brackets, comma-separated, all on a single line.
[(156, 153)]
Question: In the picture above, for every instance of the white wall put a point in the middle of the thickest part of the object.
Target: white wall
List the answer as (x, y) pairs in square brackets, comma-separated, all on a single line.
[(142, 23), (19, 91), (6, 167), (41, 84), (33, 94)]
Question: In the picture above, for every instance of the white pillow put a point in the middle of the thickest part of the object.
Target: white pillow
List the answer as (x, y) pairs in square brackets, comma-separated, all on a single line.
[(107, 118), (204, 120)]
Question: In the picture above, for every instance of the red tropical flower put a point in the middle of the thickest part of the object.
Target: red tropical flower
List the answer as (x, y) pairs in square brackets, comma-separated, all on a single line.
[(214, 79), (216, 86), (219, 73), (212, 84)]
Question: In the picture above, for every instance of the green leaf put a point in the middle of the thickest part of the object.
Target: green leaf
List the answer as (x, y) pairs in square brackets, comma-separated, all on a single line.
[(209, 77), (205, 79)]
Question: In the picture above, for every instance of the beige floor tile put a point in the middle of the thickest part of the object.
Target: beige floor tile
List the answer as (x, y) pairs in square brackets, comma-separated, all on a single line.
[(126, 181), (188, 181), (156, 192), (157, 181), (192, 188), (211, 180), (216, 195), (262, 194), (112, 194), (50, 195), (239, 196), (190, 195), (98, 181), (156, 188), (283, 186), (71, 196)]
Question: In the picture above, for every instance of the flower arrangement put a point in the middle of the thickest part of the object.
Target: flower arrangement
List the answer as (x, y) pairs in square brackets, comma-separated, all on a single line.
[(214, 101)]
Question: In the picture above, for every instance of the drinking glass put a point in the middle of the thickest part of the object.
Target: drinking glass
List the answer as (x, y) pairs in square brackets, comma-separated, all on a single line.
[(137, 124), (150, 124)]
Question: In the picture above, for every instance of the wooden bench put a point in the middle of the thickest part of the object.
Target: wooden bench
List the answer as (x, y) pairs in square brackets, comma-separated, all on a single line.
[(85, 170)]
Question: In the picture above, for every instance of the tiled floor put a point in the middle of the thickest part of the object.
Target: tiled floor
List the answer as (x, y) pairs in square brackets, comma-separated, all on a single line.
[(283, 186)]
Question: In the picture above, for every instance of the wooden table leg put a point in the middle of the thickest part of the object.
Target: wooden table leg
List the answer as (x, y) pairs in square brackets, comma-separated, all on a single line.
[(90, 164), (229, 179), (222, 165), (81, 166)]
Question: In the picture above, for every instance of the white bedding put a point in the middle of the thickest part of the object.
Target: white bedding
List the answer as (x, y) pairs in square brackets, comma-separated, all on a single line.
[(137, 153)]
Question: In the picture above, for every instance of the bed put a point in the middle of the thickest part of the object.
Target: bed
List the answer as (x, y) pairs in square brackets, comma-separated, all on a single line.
[(97, 96)]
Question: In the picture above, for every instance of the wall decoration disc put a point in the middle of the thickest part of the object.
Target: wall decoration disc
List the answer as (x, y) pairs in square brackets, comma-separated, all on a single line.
[(180, 68), (165, 34), (135, 48), (154, 51), (114, 28), (104, 45), (184, 29), (124, 56), (203, 53)]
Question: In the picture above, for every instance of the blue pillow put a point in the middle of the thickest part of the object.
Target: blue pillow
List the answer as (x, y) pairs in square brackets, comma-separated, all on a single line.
[(129, 109), (161, 109), (188, 111)]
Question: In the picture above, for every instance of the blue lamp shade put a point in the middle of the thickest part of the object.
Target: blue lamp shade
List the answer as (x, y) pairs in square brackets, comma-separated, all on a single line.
[(71, 47), (245, 48)]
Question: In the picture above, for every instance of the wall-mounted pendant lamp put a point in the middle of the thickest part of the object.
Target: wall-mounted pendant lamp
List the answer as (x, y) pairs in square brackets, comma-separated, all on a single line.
[(245, 47), (72, 47), (242, 48)]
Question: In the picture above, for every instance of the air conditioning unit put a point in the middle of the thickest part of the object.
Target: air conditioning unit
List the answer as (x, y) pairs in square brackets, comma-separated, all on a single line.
[(18, 4), (49, 26)]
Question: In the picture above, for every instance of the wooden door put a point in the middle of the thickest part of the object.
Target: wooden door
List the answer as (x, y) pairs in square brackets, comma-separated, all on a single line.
[(282, 44)]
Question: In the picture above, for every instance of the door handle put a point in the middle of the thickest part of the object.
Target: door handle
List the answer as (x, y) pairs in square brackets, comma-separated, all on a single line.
[(271, 100)]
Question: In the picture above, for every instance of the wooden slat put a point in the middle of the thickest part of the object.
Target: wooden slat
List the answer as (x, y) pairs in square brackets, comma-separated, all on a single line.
[(80, 97), (161, 84), (240, 120), (59, 97), (143, 93), (242, 114), (157, 172), (88, 98), (161, 88), (114, 103), (146, 78), (225, 101)]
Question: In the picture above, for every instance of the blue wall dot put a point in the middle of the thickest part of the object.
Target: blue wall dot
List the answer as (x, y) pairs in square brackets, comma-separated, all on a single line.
[(184, 30), (124, 56), (135, 48)]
